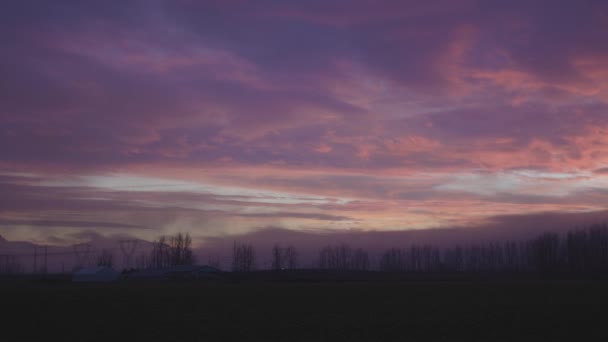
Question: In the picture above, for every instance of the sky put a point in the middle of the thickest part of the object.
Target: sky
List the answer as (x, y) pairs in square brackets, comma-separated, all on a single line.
[(227, 118)]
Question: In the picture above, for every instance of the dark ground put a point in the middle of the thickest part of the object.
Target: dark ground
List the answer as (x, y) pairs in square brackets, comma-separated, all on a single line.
[(456, 310)]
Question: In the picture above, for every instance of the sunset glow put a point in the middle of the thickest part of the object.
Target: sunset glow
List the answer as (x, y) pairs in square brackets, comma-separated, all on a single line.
[(141, 118)]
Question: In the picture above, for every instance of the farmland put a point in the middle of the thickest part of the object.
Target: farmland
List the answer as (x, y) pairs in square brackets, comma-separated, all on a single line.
[(455, 310)]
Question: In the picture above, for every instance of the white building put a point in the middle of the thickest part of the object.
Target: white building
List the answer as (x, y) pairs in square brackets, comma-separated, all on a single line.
[(95, 274), (176, 272)]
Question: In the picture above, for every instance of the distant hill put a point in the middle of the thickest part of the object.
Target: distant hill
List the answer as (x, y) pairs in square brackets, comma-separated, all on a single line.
[(2, 239)]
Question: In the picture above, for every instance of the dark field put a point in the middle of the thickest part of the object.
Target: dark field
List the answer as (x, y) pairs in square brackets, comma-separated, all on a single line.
[(257, 311)]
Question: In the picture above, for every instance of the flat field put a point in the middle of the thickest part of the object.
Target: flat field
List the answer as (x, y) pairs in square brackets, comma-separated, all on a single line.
[(526, 310)]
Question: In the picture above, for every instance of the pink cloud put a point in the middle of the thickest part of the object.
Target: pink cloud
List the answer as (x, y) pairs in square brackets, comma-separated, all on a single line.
[(375, 115)]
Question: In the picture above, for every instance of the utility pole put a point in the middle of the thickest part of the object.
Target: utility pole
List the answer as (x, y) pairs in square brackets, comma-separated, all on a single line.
[(45, 255), (81, 252), (35, 259)]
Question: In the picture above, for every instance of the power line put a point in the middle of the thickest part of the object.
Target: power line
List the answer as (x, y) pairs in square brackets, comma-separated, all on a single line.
[(45, 259), (81, 253), (92, 250)]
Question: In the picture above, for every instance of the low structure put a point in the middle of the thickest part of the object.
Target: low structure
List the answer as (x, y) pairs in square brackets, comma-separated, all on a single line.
[(176, 272), (95, 274)]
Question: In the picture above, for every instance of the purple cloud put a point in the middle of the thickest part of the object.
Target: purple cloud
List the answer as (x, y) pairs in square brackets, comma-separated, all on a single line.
[(385, 115)]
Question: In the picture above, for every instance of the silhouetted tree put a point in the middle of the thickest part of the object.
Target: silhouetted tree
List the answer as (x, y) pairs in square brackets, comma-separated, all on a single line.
[(423, 258), (172, 251), (243, 257), (598, 248), (578, 251), (453, 259), (160, 256), (360, 260), (105, 258), (343, 257), (586, 250), (180, 249), (291, 258), (392, 260), (546, 253), (512, 256), (10, 264), (283, 258), (277, 258)]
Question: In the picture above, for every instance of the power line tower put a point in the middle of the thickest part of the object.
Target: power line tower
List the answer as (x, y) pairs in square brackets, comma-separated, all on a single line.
[(128, 249), (81, 254), (44, 260), (35, 260), (4, 264)]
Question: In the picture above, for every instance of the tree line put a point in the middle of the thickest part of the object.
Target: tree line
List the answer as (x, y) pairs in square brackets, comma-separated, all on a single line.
[(578, 251), (167, 251)]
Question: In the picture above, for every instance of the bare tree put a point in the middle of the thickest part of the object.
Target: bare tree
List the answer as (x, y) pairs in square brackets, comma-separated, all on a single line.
[(283, 258), (392, 260), (291, 258), (159, 256), (453, 259), (277, 258), (360, 260), (243, 257), (512, 256), (333, 257), (81, 252), (582, 251), (172, 251), (343, 257), (105, 258), (180, 250), (545, 252)]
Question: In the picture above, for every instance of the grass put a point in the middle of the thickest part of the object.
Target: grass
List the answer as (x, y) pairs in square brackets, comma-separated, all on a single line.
[(262, 311)]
